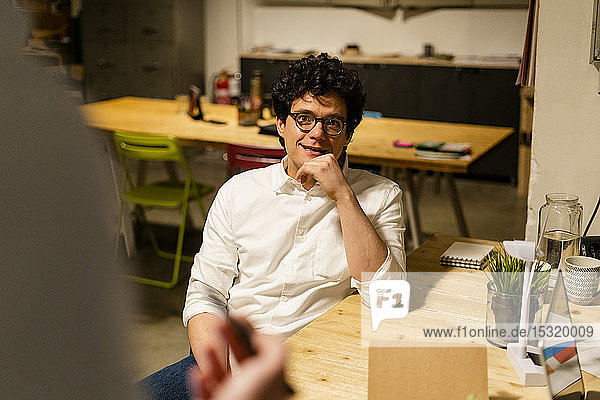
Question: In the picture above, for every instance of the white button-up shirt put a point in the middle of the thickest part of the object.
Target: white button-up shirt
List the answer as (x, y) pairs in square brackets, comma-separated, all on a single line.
[(274, 252)]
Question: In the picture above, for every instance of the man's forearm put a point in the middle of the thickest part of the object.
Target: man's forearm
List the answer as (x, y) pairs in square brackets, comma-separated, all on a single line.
[(203, 333), (365, 251)]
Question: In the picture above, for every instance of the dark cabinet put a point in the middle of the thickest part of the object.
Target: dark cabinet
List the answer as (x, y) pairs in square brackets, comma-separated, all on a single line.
[(469, 95), (270, 68), (147, 48), (391, 89)]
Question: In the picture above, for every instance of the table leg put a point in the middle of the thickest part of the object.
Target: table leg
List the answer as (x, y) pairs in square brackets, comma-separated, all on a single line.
[(409, 206), (458, 212), (419, 182), (412, 209)]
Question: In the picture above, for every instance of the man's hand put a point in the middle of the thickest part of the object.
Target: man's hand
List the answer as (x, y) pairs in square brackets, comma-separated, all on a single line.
[(260, 375), (365, 251), (325, 170)]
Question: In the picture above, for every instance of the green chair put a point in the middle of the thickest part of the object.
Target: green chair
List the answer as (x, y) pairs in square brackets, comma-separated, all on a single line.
[(169, 193)]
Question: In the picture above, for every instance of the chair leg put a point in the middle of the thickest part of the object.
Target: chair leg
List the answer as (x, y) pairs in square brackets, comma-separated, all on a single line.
[(180, 235), (125, 230), (177, 256)]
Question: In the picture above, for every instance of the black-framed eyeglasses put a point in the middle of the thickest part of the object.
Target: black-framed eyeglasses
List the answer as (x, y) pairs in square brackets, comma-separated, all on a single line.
[(332, 126)]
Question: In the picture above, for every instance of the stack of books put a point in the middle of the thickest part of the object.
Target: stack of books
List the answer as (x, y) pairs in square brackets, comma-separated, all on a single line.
[(441, 150)]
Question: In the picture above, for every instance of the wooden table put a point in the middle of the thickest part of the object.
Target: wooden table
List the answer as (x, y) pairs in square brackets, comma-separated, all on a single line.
[(372, 142), (328, 360)]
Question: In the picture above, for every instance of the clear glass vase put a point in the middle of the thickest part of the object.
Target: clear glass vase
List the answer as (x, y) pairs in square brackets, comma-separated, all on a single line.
[(503, 313), (559, 225)]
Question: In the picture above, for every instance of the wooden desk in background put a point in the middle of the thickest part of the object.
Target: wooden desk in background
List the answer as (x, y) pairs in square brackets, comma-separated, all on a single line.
[(372, 142), (328, 360)]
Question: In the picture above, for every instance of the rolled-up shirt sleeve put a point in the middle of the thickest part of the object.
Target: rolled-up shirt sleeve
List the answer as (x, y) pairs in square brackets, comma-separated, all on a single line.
[(389, 225), (216, 263)]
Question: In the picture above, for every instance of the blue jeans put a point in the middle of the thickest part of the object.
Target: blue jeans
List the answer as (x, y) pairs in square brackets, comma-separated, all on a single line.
[(170, 383)]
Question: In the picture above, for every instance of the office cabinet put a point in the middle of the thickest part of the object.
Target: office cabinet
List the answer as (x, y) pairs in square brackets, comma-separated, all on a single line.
[(151, 22), (153, 70), (103, 22), (469, 95), (473, 95), (106, 65), (269, 68), (391, 89), (141, 48)]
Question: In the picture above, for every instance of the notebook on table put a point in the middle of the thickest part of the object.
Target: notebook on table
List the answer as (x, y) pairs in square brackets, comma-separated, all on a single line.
[(465, 255)]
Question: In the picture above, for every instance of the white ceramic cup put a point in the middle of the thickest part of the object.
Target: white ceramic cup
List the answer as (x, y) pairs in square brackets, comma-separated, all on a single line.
[(582, 279)]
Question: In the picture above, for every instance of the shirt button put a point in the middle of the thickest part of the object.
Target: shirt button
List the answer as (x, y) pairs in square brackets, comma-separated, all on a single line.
[(284, 298), (308, 198)]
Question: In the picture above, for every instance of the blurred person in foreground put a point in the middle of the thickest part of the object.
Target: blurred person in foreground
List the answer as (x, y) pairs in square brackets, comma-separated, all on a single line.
[(285, 243), (64, 332), (63, 310)]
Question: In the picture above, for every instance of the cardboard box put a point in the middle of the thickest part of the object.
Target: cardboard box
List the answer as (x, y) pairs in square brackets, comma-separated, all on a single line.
[(449, 373)]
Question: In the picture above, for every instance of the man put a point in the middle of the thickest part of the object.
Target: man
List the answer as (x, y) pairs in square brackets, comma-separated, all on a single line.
[(284, 244)]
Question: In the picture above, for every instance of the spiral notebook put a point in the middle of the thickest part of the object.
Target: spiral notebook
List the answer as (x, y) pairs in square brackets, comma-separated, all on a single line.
[(465, 255)]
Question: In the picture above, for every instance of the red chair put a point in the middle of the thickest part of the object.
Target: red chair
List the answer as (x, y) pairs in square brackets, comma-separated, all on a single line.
[(241, 157)]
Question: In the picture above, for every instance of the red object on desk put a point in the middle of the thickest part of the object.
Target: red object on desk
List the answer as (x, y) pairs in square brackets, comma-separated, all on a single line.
[(400, 143)]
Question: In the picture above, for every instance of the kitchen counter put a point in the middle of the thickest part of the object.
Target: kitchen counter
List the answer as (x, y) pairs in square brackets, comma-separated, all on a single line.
[(461, 62)]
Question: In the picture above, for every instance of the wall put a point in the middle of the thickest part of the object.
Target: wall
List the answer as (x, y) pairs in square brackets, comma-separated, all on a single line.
[(458, 31), (566, 127), (221, 39), (235, 26)]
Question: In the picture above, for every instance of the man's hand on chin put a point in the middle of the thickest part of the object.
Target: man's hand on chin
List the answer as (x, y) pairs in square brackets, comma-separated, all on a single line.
[(325, 170)]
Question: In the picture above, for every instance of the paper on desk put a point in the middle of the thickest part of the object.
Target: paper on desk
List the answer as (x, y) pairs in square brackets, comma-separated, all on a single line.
[(589, 356)]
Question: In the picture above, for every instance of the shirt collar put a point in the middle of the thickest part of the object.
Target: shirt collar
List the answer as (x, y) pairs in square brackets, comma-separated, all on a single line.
[(283, 183)]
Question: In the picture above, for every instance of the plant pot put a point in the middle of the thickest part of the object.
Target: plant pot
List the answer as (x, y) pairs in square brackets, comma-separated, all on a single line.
[(503, 313)]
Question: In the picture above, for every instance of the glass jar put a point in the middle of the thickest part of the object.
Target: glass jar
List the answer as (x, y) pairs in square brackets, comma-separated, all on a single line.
[(503, 313), (559, 225)]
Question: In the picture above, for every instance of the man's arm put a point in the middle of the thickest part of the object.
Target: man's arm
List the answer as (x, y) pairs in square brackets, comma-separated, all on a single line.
[(365, 251), (212, 275), (203, 333)]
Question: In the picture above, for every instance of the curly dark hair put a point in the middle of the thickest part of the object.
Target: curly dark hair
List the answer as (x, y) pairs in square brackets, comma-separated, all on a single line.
[(318, 76)]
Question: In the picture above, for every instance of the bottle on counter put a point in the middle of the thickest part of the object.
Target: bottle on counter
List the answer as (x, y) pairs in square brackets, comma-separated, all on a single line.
[(256, 89)]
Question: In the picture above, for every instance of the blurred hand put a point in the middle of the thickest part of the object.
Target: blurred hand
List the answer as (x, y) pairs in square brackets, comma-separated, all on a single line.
[(260, 375)]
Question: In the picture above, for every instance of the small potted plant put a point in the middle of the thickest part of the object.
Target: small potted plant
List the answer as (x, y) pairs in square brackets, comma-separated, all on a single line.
[(504, 292)]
